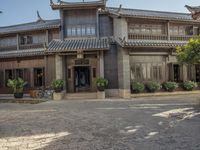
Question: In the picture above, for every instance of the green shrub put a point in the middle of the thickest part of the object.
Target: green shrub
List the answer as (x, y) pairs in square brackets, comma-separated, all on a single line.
[(137, 87), (101, 82), (153, 87), (189, 85), (170, 86), (17, 85), (58, 85)]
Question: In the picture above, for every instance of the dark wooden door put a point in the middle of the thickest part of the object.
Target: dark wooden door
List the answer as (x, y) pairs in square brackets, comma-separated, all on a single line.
[(197, 67)]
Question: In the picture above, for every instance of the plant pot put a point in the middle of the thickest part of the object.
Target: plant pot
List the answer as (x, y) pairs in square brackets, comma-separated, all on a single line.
[(58, 90), (18, 95), (58, 96), (101, 88)]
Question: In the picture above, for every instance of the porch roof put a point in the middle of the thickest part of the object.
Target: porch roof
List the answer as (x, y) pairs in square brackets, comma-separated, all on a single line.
[(151, 43), (79, 44), (33, 26), (62, 4), (22, 53)]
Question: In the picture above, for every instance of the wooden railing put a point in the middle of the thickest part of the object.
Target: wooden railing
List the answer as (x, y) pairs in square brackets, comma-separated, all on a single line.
[(182, 38), (8, 48), (147, 37), (160, 37), (31, 46)]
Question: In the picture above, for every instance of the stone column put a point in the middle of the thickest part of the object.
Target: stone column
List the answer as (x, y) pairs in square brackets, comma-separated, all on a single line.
[(59, 67), (101, 64), (32, 77), (185, 72), (124, 73)]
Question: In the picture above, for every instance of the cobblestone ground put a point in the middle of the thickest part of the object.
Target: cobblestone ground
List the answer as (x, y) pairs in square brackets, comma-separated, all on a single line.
[(162, 123)]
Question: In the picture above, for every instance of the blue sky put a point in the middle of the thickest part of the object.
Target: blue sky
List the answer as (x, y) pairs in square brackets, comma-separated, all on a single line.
[(23, 11)]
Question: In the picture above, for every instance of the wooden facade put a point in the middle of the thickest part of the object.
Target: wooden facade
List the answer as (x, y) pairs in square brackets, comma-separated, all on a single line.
[(91, 40)]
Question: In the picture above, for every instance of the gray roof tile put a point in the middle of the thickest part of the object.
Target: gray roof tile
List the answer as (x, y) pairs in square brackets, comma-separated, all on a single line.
[(21, 53), (79, 44), (151, 43), (150, 14), (47, 24)]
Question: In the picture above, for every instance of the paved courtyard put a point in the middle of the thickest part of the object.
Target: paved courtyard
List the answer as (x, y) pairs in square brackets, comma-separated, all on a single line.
[(161, 123)]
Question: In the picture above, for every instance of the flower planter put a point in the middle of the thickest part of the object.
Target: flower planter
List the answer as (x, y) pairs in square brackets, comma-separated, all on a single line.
[(101, 95), (58, 96), (18, 95), (101, 88)]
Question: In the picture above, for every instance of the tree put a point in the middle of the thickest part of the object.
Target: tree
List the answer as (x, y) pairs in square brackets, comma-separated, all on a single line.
[(190, 53)]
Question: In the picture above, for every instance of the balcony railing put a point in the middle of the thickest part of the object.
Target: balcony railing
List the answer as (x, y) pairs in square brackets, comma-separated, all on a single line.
[(182, 38), (31, 46), (147, 37), (160, 37), (8, 48)]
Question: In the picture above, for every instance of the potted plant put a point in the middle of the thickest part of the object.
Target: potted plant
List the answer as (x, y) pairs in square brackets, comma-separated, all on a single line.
[(101, 84), (18, 87), (58, 86)]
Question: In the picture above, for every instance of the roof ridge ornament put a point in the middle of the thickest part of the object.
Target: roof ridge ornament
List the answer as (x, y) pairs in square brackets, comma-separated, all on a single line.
[(195, 11), (51, 2), (39, 17), (119, 9)]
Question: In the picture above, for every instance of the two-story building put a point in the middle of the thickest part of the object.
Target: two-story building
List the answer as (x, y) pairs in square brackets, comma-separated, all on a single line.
[(91, 40)]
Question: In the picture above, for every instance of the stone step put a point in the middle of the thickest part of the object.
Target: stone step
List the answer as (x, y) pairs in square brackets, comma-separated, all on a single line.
[(79, 96)]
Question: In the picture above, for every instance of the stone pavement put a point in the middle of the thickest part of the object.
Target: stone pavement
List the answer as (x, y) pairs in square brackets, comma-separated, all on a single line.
[(161, 123)]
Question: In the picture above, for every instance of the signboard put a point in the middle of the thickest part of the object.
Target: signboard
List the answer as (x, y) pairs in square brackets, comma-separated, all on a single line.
[(82, 62)]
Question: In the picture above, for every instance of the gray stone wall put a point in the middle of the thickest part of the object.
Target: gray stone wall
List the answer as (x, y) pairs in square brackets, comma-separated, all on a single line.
[(111, 67)]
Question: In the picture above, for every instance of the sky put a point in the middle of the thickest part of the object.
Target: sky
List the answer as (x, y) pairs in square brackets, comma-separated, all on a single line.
[(23, 11)]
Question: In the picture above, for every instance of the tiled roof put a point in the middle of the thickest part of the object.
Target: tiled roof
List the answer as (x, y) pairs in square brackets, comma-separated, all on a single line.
[(124, 12), (41, 25), (151, 43), (63, 4), (22, 53), (79, 44)]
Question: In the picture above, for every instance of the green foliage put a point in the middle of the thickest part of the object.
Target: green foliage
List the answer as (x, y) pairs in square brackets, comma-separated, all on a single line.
[(137, 87), (101, 82), (189, 85), (153, 87), (170, 86), (190, 53), (17, 85), (57, 84)]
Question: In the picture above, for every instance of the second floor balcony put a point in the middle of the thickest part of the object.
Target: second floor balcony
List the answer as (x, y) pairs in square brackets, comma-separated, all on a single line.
[(22, 47), (133, 36)]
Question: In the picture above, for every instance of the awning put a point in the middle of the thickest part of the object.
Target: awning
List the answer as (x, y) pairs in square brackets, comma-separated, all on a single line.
[(71, 45), (22, 53)]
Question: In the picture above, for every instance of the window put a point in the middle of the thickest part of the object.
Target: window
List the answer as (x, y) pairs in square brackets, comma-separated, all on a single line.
[(1, 78), (78, 31), (94, 72), (69, 32), (39, 79), (26, 40), (73, 31), (146, 72), (146, 29), (181, 30)]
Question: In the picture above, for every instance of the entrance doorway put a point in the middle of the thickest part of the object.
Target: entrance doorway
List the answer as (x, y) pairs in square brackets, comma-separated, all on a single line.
[(197, 73), (82, 78), (176, 73)]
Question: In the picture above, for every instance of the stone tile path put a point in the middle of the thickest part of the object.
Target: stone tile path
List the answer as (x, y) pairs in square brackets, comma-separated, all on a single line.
[(161, 123)]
